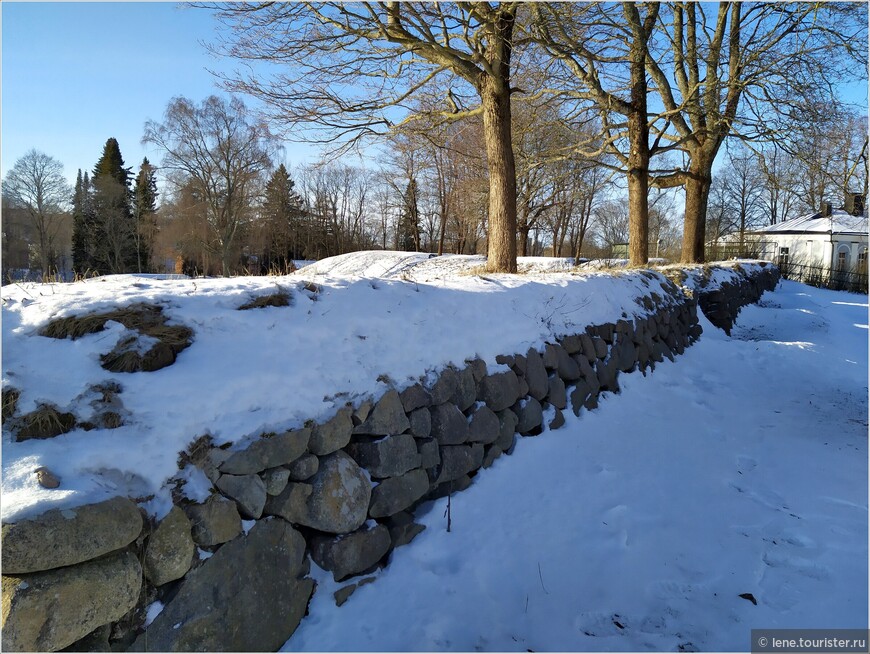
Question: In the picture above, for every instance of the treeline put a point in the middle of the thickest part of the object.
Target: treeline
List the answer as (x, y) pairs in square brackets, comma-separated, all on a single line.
[(505, 128)]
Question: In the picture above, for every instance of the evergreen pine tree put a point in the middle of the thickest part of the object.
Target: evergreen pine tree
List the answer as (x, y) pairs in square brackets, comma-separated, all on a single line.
[(408, 231), (282, 211), (145, 213), (114, 233), (79, 233)]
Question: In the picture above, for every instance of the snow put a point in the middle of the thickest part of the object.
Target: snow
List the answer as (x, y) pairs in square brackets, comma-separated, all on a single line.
[(711, 276), (152, 611), (268, 369), (839, 222), (739, 468)]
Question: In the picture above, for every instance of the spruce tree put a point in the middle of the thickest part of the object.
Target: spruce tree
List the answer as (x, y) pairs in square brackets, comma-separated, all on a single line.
[(79, 233), (408, 232), (282, 211), (145, 213), (114, 234)]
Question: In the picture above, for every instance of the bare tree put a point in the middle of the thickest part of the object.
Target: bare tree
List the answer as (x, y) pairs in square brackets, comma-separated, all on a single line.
[(734, 71), (355, 67), (743, 183), (36, 184), (613, 223), (604, 47), (217, 147), (779, 181)]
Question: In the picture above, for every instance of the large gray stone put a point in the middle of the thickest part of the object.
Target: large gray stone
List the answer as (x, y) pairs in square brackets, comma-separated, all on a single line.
[(579, 396), (450, 488), (340, 497), (483, 426), (530, 415), (466, 389), (478, 369), (398, 493), (387, 417), (388, 457), (415, 397), (550, 357), (507, 432), (275, 480), (557, 421), (449, 426), (607, 372), (47, 611), (245, 598), (492, 453), (170, 548), (209, 460), (536, 375), (556, 394), (587, 347), (63, 537), (456, 461), (500, 390), (291, 504), (214, 522), (421, 422), (572, 344), (248, 491), (352, 554), (600, 347), (332, 435), (267, 452), (444, 387), (430, 453), (303, 468), (568, 369)]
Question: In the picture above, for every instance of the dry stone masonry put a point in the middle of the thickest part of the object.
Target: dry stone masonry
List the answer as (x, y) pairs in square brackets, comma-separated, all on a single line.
[(232, 573)]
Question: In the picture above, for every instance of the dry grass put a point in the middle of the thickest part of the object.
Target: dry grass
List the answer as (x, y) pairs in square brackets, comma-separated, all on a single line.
[(278, 299), (10, 402), (147, 319), (45, 422), (140, 317)]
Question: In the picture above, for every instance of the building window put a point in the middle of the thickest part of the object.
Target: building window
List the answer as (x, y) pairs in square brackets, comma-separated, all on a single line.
[(862, 262), (783, 257), (843, 258)]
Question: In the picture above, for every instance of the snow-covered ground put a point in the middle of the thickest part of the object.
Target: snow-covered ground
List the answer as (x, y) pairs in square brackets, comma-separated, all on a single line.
[(740, 468)]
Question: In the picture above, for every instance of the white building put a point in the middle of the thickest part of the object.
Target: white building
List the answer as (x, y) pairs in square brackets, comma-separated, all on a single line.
[(833, 240)]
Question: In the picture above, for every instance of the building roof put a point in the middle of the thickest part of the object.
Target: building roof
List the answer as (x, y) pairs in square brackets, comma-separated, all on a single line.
[(839, 222)]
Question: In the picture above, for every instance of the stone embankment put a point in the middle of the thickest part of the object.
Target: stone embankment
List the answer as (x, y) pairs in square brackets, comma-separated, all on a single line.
[(231, 573)]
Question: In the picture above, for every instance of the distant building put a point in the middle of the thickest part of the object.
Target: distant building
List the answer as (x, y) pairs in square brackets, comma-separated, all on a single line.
[(833, 242)]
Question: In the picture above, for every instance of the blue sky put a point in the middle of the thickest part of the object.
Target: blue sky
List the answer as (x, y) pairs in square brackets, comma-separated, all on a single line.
[(75, 74)]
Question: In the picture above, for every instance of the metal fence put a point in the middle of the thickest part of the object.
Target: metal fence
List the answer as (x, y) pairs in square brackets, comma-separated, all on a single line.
[(728, 252), (854, 281)]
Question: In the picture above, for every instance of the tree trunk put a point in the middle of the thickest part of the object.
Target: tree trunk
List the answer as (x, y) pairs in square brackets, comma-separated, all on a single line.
[(524, 240), (638, 164), (502, 232), (698, 180), (442, 232), (638, 191)]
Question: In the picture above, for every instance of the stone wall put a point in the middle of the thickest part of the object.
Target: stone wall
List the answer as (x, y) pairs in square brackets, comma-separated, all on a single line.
[(723, 289), (231, 573)]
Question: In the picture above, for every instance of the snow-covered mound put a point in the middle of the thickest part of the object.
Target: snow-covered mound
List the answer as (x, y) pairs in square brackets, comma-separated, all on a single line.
[(369, 263), (423, 266), (341, 338)]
